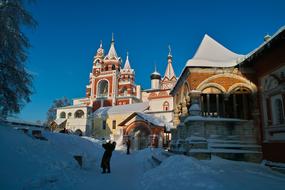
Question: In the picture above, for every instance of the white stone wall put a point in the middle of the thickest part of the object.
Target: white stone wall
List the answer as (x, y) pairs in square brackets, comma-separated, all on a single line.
[(157, 104), (72, 122)]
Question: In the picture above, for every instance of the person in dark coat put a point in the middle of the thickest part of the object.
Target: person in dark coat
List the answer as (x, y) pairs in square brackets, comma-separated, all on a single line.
[(128, 146), (64, 130), (105, 163)]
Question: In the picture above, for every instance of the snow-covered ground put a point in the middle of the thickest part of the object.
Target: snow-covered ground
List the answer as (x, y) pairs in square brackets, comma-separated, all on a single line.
[(29, 163)]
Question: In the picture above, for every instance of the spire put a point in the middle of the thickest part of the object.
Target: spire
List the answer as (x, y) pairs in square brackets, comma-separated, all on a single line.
[(169, 72), (101, 43), (113, 39), (169, 51), (112, 51), (127, 63)]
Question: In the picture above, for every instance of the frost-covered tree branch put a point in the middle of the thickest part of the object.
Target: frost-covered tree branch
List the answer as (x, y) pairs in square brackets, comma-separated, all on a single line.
[(15, 81)]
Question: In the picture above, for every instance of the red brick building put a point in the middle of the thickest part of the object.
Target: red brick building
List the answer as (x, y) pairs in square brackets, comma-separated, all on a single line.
[(268, 62), (225, 90), (227, 85)]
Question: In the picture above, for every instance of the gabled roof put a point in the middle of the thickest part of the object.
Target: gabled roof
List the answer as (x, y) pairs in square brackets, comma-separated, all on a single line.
[(121, 109), (60, 121), (146, 117), (212, 54)]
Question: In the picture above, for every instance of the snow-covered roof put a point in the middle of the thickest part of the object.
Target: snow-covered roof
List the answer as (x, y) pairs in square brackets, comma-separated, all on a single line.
[(59, 121), (201, 118), (212, 54), (120, 109), (156, 73), (264, 44), (17, 121), (146, 117), (152, 119), (74, 106)]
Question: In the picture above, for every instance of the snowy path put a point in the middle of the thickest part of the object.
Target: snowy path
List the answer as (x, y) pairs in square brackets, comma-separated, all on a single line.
[(125, 174)]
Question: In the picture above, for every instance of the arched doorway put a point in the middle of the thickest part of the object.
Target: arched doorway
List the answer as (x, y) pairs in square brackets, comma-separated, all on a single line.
[(139, 132), (140, 135), (78, 132)]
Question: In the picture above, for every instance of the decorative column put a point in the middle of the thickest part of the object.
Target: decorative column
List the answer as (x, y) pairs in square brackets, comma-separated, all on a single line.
[(217, 104), (208, 104), (176, 119), (225, 99), (184, 110), (244, 106), (195, 99), (202, 105), (235, 105), (188, 100), (256, 117)]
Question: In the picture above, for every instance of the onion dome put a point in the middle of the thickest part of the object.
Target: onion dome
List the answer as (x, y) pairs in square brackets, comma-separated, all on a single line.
[(155, 75)]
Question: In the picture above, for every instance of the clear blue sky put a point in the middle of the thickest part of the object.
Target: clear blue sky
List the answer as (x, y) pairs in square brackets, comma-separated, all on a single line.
[(69, 33)]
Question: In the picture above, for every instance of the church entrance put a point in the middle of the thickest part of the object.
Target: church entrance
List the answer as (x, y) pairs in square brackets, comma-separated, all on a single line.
[(140, 137)]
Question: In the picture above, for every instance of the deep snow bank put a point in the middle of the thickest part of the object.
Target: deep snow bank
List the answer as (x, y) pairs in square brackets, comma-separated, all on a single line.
[(181, 172), (29, 163)]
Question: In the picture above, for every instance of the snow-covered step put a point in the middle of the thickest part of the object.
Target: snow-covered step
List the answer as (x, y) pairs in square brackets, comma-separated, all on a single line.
[(159, 156), (235, 146), (230, 141), (275, 165)]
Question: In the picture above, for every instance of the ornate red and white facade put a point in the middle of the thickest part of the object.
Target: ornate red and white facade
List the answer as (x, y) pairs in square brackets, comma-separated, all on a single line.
[(109, 83)]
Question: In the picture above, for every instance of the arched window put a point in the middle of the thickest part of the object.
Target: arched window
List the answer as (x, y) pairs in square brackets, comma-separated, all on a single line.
[(62, 115), (239, 103), (185, 90), (69, 115), (124, 91), (165, 106), (279, 111), (211, 102), (103, 88), (113, 67), (79, 114)]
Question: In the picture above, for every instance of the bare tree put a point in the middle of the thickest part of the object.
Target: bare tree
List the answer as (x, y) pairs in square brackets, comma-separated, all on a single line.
[(51, 113)]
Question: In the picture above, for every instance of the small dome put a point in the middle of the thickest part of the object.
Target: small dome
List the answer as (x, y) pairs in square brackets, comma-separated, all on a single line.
[(155, 75)]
